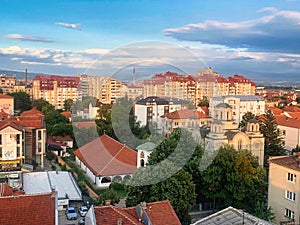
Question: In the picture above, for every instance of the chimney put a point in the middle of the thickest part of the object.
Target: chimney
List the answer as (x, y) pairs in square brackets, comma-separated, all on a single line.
[(26, 77), (107, 202), (120, 222)]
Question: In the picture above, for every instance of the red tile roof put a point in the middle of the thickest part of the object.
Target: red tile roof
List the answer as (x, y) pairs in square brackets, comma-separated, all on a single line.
[(6, 96), (159, 213), (291, 108), (66, 114), (276, 111), (106, 156), (28, 209), (287, 122), (185, 114), (291, 161), (7, 122), (3, 114), (32, 112)]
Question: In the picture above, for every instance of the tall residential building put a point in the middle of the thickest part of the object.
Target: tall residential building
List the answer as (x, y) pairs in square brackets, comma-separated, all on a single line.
[(57, 89), (284, 189), (96, 85), (7, 81), (241, 104), (194, 88), (112, 91)]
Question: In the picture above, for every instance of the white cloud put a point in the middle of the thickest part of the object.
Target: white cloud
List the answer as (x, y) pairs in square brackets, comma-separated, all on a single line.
[(31, 38), (271, 32), (75, 26)]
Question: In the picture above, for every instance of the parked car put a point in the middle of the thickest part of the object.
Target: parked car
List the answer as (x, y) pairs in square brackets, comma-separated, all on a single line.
[(81, 221), (71, 213), (83, 210)]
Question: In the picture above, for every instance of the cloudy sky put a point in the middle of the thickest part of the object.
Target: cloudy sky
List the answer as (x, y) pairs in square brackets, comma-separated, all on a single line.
[(259, 39)]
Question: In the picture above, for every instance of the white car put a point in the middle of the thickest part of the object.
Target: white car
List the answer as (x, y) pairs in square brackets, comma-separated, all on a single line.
[(83, 210)]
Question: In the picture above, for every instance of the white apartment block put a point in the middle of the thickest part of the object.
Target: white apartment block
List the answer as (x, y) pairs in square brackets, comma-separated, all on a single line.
[(240, 104)]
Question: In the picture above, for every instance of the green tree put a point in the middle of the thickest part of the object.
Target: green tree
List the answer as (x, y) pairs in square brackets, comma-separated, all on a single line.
[(262, 211), (273, 141), (179, 188), (68, 104), (245, 119), (40, 103), (22, 101), (108, 194), (204, 102), (235, 179), (53, 118)]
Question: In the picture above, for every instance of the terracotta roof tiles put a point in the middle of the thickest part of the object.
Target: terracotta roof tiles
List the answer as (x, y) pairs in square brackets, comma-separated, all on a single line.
[(291, 161), (106, 156)]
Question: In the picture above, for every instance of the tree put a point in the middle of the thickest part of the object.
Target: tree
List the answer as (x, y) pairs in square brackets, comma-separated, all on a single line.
[(40, 103), (262, 211), (22, 101), (109, 194), (235, 179), (176, 184), (245, 119), (273, 141), (53, 118), (204, 102), (68, 104)]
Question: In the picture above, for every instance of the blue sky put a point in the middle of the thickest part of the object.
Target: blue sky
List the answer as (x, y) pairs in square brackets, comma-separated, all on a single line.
[(259, 39)]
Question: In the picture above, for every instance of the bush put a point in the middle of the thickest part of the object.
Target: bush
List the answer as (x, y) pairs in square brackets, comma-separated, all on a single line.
[(53, 167), (117, 186)]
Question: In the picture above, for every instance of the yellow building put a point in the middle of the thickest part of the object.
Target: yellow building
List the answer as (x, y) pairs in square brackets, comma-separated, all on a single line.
[(57, 89), (6, 81), (284, 188), (7, 104)]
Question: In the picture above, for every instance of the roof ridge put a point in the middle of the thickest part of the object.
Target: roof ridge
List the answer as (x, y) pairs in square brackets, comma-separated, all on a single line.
[(116, 209)]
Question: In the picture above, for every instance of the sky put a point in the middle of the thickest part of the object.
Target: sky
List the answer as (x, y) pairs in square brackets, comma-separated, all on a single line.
[(259, 39)]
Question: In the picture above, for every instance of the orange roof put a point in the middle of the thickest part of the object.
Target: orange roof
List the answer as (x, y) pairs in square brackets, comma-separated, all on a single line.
[(6, 96), (291, 108), (61, 139), (32, 112), (106, 156), (28, 209), (205, 109), (7, 122), (276, 111), (159, 213), (291, 161), (66, 114), (185, 114), (3, 114), (283, 120)]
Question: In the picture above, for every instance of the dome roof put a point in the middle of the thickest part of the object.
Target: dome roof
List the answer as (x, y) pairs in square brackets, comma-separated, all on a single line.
[(223, 105)]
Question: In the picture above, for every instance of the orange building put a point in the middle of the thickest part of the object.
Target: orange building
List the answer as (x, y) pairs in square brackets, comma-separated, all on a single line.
[(7, 104)]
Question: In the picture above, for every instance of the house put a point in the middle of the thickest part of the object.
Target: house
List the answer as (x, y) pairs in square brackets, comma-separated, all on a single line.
[(66, 140), (67, 114), (18, 208), (284, 188), (62, 181), (241, 104), (106, 160), (189, 119), (231, 216), (150, 109), (224, 130), (156, 213), (144, 151)]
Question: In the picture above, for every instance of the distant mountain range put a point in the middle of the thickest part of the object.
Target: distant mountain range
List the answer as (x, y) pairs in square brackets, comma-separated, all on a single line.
[(20, 74)]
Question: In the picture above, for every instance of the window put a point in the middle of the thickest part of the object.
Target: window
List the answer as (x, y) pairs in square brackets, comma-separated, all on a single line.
[(283, 132), (1, 152), (18, 151), (291, 177), (289, 213), (18, 138), (290, 195), (39, 135), (239, 144), (0, 139), (39, 147)]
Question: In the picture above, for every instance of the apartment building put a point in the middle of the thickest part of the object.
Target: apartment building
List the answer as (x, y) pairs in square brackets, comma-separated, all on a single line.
[(112, 91), (7, 81), (152, 108), (195, 88), (57, 89), (284, 189), (241, 104), (22, 140)]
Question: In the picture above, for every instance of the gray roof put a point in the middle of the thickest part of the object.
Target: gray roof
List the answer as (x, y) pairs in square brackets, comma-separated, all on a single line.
[(42, 182), (223, 105), (161, 101), (148, 146), (241, 97), (231, 216), (253, 121)]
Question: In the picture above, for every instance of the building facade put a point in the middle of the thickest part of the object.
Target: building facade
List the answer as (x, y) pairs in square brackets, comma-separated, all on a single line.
[(224, 130), (284, 189), (241, 104), (7, 104), (57, 89)]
